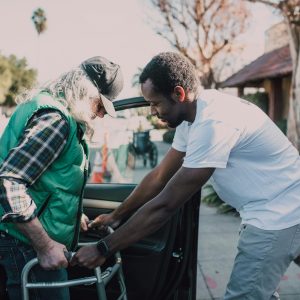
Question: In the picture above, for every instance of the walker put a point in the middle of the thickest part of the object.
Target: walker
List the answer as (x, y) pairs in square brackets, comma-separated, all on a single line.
[(100, 278)]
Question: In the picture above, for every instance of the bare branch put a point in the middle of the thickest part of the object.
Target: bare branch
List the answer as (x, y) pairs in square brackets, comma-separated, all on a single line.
[(201, 29), (266, 2)]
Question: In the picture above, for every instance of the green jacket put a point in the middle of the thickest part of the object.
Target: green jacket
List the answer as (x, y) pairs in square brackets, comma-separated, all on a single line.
[(58, 191)]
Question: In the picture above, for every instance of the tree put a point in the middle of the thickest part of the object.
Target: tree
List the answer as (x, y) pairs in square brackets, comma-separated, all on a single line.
[(135, 81), (40, 23), (39, 20), (14, 76), (5, 79), (202, 30), (290, 9)]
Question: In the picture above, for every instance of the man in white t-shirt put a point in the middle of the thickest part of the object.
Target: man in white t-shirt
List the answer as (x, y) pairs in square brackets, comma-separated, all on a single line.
[(252, 166)]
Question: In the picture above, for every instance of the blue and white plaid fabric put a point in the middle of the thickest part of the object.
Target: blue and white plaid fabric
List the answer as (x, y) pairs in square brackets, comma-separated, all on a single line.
[(44, 138)]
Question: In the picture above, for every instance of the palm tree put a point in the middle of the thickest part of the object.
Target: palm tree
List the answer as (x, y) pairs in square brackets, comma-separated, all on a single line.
[(39, 20), (40, 23)]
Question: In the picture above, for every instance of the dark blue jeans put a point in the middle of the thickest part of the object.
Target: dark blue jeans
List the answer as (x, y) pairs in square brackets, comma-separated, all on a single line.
[(13, 256)]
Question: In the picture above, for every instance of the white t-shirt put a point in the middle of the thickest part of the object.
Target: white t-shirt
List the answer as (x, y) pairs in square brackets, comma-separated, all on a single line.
[(257, 168)]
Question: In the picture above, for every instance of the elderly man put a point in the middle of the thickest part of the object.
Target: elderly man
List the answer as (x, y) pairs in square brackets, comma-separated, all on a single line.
[(43, 170)]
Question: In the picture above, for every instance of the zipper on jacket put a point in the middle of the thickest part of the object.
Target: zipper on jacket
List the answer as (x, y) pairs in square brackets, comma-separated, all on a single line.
[(79, 212)]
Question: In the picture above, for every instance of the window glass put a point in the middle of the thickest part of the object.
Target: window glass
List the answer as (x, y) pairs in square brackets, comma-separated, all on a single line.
[(126, 148)]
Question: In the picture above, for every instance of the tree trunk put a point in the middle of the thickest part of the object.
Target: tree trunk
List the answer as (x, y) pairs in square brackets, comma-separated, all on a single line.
[(294, 102), (207, 79)]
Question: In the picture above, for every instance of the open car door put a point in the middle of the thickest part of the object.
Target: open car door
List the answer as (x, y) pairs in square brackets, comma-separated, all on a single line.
[(161, 266)]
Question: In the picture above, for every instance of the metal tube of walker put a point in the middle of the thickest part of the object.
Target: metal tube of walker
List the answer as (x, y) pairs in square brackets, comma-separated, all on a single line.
[(100, 279)]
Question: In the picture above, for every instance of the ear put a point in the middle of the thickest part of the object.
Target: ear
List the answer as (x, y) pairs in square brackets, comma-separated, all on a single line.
[(179, 93)]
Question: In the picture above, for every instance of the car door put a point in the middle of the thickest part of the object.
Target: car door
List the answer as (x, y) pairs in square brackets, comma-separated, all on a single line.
[(163, 265)]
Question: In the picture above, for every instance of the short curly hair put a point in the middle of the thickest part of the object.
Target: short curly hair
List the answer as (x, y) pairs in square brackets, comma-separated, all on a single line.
[(168, 70)]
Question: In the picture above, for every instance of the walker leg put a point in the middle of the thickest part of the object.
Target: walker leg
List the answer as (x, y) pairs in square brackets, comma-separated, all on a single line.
[(100, 285), (122, 285)]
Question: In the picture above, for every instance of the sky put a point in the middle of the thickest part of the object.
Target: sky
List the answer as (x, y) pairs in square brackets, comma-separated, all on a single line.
[(116, 29)]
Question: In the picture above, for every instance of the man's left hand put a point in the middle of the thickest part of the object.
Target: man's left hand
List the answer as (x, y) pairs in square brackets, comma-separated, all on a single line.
[(88, 257)]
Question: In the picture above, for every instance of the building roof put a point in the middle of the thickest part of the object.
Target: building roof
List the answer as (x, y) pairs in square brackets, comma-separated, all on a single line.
[(277, 63)]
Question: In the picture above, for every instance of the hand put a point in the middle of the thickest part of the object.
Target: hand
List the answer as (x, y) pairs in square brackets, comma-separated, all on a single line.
[(52, 257), (88, 257), (84, 221), (104, 220)]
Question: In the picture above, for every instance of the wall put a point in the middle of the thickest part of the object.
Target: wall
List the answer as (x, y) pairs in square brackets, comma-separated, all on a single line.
[(276, 37)]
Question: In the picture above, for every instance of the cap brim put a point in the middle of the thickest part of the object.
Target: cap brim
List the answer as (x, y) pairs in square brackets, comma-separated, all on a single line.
[(109, 107)]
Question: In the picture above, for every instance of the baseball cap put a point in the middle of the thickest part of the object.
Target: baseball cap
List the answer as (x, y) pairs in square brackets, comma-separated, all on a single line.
[(108, 79)]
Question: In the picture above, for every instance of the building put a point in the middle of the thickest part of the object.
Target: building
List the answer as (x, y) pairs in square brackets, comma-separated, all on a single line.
[(270, 72)]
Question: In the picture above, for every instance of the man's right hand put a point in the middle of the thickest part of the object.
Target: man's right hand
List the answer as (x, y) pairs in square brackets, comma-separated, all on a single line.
[(49, 252), (52, 257), (104, 220)]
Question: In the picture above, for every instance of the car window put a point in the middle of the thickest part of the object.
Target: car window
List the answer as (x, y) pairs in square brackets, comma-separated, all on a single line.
[(126, 148)]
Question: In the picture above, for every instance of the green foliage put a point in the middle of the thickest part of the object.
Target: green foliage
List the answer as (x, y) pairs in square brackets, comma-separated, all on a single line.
[(156, 122), (5, 79), (168, 136), (225, 208), (14, 76), (210, 197), (282, 124), (260, 99)]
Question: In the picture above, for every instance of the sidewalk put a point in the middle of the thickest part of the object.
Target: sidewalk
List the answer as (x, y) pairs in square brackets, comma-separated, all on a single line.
[(218, 236)]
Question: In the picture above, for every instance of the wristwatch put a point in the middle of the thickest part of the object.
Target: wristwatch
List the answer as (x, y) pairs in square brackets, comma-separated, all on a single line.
[(103, 248)]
